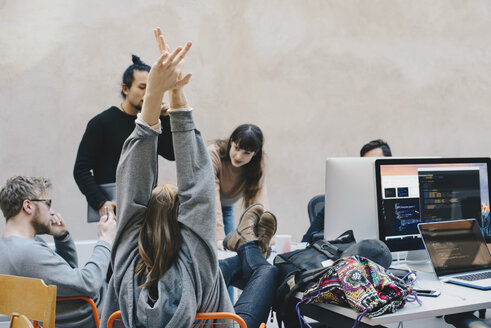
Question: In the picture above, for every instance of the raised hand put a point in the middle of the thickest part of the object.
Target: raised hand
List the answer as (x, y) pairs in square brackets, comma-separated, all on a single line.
[(166, 72), (182, 80), (159, 37), (164, 75)]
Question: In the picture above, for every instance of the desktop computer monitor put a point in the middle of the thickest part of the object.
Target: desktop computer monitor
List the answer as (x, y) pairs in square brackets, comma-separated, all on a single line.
[(350, 197), (415, 190)]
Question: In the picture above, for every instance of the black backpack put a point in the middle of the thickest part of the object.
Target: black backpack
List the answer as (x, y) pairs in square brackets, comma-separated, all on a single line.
[(300, 268)]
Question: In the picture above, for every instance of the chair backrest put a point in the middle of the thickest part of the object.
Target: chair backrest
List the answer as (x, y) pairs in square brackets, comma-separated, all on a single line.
[(20, 321), (86, 299), (315, 207), (211, 319), (29, 296), (219, 319), (115, 316)]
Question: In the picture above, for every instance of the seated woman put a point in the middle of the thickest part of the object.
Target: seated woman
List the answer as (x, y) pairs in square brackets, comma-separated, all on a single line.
[(164, 256)]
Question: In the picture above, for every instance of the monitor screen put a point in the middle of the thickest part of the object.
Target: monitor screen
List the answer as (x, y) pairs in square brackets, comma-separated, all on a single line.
[(418, 190)]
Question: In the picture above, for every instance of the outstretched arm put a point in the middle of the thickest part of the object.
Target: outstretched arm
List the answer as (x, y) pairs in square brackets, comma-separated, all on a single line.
[(194, 170), (194, 177), (137, 169), (137, 166)]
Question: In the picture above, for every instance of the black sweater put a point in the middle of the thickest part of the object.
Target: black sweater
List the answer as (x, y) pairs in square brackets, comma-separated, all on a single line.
[(100, 149)]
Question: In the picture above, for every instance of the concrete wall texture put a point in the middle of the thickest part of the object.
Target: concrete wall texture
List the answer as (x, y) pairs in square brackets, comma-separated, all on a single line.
[(320, 78)]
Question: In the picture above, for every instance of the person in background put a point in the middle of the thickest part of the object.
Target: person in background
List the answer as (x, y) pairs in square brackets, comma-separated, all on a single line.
[(27, 207), (238, 164), (101, 144), (376, 148)]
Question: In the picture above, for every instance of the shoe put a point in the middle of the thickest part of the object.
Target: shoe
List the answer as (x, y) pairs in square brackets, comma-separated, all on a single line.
[(246, 230), (266, 228)]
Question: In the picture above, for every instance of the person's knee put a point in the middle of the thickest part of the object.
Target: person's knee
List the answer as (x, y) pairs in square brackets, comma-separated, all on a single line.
[(269, 271), (266, 273), (274, 271)]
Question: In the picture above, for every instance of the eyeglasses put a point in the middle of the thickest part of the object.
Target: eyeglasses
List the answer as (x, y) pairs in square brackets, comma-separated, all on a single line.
[(46, 201)]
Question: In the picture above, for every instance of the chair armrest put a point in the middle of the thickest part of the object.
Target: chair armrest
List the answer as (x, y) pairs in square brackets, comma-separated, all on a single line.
[(115, 315), (88, 300)]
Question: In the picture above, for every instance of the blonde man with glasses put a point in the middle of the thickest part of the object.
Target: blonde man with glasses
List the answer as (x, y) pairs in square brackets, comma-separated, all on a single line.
[(26, 205)]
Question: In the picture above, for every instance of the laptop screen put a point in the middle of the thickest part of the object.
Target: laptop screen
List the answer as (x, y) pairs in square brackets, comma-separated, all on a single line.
[(455, 246)]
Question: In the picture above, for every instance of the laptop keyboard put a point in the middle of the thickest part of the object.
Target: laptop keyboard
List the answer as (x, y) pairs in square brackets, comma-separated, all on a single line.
[(475, 276)]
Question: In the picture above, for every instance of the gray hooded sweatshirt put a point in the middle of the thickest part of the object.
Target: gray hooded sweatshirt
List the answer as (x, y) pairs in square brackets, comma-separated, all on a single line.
[(194, 282)]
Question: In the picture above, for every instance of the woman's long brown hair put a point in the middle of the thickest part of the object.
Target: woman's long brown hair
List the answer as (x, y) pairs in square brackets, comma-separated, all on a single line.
[(248, 137), (160, 237)]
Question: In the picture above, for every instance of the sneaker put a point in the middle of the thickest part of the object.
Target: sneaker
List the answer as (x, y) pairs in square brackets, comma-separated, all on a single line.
[(246, 230), (266, 228)]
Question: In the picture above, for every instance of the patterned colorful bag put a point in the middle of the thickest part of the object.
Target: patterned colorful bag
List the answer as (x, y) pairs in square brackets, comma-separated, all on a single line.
[(361, 284)]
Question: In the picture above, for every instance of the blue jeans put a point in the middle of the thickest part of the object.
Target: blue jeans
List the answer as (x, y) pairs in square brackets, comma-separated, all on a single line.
[(229, 226), (257, 278), (228, 218)]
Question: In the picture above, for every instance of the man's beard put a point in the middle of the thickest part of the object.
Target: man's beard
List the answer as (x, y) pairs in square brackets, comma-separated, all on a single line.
[(139, 106), (39, 228)]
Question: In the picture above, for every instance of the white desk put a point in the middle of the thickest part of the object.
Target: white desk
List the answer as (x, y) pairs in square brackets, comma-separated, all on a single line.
[(453, 299)]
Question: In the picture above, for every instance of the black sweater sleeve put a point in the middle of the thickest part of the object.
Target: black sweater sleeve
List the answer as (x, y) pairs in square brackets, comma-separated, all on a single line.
[(165, 146), (85, 162)]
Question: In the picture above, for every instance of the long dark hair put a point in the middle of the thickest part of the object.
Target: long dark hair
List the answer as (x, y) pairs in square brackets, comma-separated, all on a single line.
[(160, 237), (248, 137)]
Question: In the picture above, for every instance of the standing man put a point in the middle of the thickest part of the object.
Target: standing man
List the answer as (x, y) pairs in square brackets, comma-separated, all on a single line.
[(100, 148)]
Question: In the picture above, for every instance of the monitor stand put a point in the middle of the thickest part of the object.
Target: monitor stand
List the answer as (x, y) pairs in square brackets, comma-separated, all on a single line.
[(418, 256), (411, 258)]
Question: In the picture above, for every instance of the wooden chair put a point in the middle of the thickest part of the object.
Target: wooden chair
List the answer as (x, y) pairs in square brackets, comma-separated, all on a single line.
[(20, 321), (95, 313), (29, 296), (201, 320)]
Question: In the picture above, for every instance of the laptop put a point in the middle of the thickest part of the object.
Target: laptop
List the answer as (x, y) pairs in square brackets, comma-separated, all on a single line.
[(458, 252), (109, 190)]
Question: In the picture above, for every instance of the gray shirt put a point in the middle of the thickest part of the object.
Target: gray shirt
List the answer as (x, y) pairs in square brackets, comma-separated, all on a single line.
[(194, 282), (34, 258)]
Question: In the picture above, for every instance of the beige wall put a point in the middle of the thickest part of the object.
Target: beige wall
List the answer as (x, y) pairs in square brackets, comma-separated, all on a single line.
[(319, 77)]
